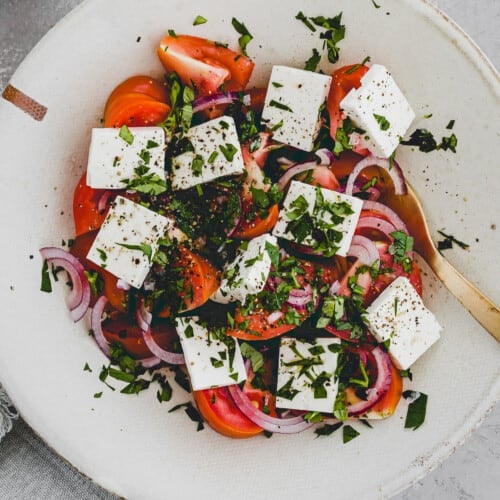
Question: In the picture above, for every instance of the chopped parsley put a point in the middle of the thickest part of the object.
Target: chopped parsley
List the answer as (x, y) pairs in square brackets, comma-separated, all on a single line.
[(313, 61), (382, 121), (280, 105), (349, 433), (145, 249), (245, 37), (415, 416), (126, 135), (46, 285), (199, 20)]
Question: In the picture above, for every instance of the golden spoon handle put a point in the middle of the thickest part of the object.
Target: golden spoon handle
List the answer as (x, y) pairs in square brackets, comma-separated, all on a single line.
[(480, 306)]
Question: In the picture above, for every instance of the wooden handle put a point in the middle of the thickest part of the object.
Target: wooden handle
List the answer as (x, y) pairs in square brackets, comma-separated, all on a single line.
[(480, 306)]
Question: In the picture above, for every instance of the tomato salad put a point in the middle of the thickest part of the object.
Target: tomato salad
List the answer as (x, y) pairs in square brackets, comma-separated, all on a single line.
[(309, 294)]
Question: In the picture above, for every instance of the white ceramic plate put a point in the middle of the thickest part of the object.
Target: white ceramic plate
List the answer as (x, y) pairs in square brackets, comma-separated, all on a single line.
[(131, 445)]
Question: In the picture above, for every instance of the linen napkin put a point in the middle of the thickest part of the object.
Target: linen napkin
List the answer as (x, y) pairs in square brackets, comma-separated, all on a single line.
[(7, 413)]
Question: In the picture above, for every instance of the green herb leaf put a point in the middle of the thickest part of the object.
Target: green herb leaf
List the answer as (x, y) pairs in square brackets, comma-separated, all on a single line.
[(301, 17), (145, 249), (382, 121), (416, 409), (279, 105), (199, 20), (229, 150), (46, 285), (245, 37), (126, 135), (313, 61), (328, 429), (349, 433)]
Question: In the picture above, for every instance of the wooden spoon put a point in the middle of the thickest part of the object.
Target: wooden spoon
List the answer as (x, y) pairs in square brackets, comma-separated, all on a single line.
[(408, 207)]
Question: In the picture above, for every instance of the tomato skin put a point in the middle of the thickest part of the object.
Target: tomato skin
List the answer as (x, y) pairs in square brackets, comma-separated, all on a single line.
[(80, 248), (141, 84), (201, 280), (135, 110), (343, 80), (203, 64), (119, 328), (219, 411), (388, 403), (249, 229), (86, 215)]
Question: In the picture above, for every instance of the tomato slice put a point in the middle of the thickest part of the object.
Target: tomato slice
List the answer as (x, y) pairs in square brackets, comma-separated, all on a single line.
[(135, 110), (86, 214), (199, 281), (204, 64), (219, 411), (141, 84), (117, 297), (250, 228), (120, 328), (388, 403), (343, 80)]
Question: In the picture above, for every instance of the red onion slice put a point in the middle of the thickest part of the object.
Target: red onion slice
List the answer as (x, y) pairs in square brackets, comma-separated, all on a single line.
[(272, 424), (102, 342), (96, 324), (393, 170), (299, 298), (387, 212), (103, 200), (364, 249), (78, 300), (381, 385), (144, 318), (325, 156), (274, 317), (367, 222), (215, 99), (293, 171)]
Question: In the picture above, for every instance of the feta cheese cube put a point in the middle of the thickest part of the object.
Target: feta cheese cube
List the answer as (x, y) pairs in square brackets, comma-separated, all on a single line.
[(212, 358), (216, 153), (292, 105), (112, 160), (399, 316), (131, 225), (379, 108), (248, 273), (306, 374), (308, 210)]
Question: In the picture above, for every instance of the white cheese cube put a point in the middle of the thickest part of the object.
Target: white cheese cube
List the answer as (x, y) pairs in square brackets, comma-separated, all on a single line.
[(292, 105), (302, 199), (217, 153), (135, 226), (248, 273), (112, 160), (212, 358), (399, 316), (379, 108), (316, 388)]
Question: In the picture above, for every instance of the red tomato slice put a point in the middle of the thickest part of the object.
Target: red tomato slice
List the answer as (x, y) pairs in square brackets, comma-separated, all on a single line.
[(86, 215), (204, 64), (80, 248), (200, 282), (251, 228), (135, 110), (119, 328), (388, 403), (343, 80), (141, 84), (219, 411)]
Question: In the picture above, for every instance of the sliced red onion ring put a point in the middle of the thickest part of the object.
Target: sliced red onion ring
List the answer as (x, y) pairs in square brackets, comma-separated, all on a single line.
[(144, 318), (376, 224), (387, 212), (215, 99), (78, 300), (122, 285), (393, 170), (381, 385), (96, 326), (364, 249), (299, 298), (103, 200), (272, 424), (293, 171), (325, 156)]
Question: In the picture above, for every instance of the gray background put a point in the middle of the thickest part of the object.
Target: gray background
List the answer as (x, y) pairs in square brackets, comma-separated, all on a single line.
[(29, 470)]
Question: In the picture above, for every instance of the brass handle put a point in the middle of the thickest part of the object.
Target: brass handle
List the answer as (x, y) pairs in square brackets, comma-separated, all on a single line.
[(480, 306)]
